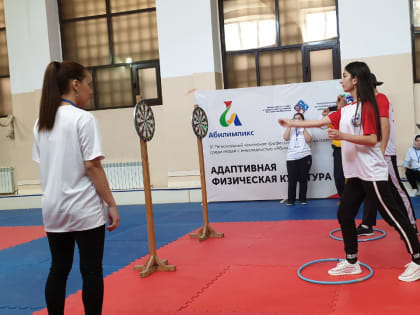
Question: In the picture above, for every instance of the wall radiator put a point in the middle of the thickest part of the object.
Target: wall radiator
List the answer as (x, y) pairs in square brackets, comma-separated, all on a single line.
[(7, 185), (124, 175)]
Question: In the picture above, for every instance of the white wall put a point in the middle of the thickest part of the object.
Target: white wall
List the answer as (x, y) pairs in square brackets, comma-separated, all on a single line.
[(374, 28), (33, 41), (186, 41)]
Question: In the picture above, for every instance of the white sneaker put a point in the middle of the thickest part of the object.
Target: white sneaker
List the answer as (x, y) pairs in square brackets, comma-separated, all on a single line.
[(345, 268), (411, 273), (413, 193)]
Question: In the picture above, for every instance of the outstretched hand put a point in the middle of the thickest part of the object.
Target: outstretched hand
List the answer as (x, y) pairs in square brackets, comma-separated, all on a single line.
[(341, 101), (285, 122)]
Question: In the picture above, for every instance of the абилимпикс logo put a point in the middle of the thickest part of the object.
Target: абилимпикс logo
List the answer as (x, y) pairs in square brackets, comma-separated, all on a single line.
[(234, 118)]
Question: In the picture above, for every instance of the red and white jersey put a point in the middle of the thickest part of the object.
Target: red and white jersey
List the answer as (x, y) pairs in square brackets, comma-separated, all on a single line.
[(385, 110), (391, 147), (360, 161)]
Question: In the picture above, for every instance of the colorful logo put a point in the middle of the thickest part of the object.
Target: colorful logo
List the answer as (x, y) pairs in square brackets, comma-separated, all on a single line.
[(233, 118), (356, 120), (301, 107), (348, 97)]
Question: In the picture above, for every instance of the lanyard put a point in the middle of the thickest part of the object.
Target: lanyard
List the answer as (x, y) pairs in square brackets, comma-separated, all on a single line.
[(297, 133), (418, 157), (65, 100)]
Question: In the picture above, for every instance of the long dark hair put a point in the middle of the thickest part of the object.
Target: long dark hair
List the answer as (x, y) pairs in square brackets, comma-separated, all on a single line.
[(365, 91), (56, 83)]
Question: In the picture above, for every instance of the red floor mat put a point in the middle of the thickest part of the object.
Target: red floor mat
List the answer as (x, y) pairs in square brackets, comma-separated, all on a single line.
[(14, 235), (253, 271)]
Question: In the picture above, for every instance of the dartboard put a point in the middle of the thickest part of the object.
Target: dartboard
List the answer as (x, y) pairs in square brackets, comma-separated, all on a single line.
[(144, 122), (200, 123)]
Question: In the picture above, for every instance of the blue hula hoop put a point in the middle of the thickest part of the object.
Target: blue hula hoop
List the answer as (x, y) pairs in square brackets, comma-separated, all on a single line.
[(333, 282), (360, 239)]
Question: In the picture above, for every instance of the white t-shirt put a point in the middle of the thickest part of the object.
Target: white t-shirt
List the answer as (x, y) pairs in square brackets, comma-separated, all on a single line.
[(412, 159), (391, 147), (298, 147), (70, 201), (360, 161)]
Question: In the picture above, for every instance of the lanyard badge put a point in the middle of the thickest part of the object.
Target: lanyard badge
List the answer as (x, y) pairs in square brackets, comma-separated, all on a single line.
[(355, 120)]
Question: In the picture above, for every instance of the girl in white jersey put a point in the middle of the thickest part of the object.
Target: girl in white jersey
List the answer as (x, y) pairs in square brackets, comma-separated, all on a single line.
[(299, 160), (358, 126), (74, 184)]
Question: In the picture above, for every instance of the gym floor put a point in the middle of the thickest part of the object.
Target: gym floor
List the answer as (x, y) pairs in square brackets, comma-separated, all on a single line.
[(252, 270)]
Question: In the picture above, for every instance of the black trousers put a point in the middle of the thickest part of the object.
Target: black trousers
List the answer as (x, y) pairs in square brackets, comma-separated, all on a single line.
[(413, 176), (398, 191), (339, 179), (297, 171), (355, 192), (91, 249)]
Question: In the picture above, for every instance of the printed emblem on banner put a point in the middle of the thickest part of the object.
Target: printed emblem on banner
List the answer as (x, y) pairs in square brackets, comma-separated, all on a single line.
[(234, 118), (301, 107)]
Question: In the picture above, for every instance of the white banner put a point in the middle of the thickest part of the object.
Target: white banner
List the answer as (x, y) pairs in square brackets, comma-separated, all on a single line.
[(244, 150)]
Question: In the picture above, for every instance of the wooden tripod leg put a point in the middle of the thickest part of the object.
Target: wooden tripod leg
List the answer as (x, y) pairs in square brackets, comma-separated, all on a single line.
[(153, 264), (206, 232)]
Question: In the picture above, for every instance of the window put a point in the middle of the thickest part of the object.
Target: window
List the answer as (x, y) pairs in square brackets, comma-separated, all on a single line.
[(415, 35), (5, 92), (118, 43), (268, 42)]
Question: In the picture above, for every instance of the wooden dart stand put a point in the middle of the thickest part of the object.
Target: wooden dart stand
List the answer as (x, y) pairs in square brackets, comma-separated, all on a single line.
[(200, 127), (144, 123)]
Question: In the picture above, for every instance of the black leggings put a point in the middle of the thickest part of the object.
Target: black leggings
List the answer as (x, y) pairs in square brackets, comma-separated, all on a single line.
[(412, 176), (399, 192), (339, 179), (393, 213), (91, 249), (297, 171)]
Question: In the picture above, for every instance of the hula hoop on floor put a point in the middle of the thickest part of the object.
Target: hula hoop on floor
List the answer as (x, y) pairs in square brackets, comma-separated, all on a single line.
[(360, 239), (333, 282)]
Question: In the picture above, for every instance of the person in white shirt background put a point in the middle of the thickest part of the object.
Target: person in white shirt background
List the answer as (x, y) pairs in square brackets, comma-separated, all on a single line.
[(299, 160), (68, 148), (412, 165)]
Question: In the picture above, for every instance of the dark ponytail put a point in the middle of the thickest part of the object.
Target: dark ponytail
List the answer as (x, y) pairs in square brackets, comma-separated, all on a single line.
[(57, 79), (365, 90)]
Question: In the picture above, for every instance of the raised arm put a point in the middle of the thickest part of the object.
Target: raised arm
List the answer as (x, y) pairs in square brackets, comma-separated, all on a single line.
[(287, 123), (286, 135), (307, 135)]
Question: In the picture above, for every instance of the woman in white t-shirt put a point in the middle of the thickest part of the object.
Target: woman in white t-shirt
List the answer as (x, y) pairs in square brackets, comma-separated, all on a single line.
[(299, 160), (358, 126), (68, 148)]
